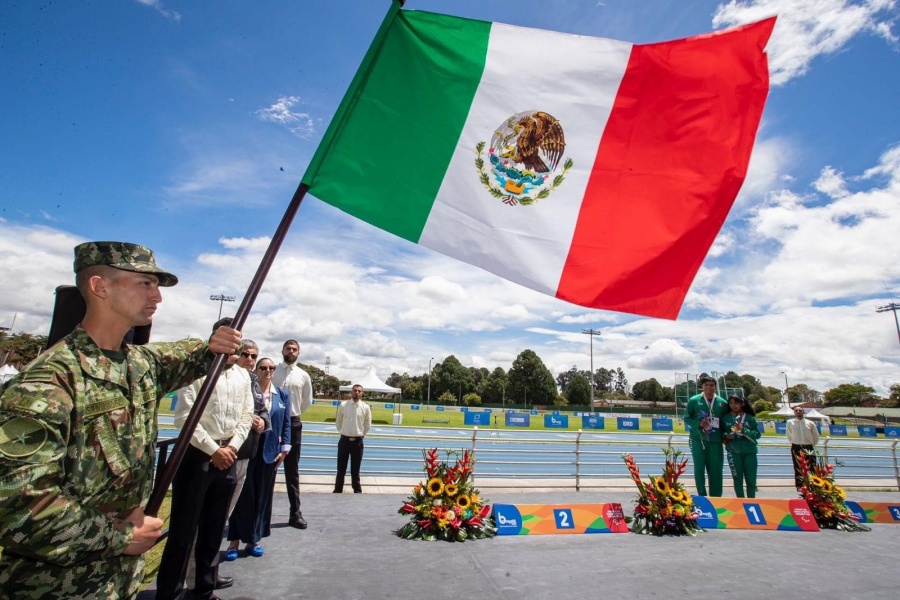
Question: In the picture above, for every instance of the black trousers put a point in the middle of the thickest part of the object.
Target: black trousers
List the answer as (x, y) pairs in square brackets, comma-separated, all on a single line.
[(352, 449), (201, 494), (292, 467), (807, 451)]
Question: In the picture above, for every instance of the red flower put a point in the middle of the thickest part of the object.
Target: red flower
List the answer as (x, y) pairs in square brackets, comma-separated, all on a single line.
[(475, 522), (408, 508), (485, 511), (425, 523)]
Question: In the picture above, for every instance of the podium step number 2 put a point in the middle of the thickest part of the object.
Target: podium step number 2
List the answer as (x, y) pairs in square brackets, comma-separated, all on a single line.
[(543, 519)]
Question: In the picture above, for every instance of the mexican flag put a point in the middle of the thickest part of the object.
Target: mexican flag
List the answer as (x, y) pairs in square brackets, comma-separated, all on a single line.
[(593, 170)]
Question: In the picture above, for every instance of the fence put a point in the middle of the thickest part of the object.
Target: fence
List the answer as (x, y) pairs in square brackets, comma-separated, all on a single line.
[(579, 460)]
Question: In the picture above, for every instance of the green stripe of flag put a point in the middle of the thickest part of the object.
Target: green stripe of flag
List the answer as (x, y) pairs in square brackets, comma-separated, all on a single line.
[(399, 122)]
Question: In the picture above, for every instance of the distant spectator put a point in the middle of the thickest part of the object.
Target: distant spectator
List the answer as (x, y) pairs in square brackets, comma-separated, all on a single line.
[(803, 436), (354, 418)]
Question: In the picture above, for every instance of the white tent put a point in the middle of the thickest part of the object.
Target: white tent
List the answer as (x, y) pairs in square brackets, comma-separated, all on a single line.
[(371, 383), (784, 411), (817, 416), (7, 372)]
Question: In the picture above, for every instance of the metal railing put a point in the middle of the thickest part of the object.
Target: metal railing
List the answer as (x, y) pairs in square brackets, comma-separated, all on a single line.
[(581, 460)]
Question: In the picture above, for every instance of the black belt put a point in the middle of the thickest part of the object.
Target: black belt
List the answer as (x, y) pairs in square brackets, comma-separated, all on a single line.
[(223, 443), (351, 439)]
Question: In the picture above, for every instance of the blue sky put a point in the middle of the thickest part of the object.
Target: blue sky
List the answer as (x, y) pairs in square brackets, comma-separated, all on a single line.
[(186, 126)]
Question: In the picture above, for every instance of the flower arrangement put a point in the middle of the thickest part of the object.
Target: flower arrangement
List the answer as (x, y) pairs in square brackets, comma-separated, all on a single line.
[(825, 497), (664, 506), (447, 506)]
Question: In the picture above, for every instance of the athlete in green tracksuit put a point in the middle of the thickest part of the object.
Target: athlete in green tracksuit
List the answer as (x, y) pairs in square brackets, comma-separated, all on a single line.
[(703, 415), (740, 433)]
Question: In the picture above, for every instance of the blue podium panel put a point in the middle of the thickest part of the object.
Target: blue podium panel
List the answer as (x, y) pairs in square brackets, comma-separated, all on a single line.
[(592, 422), (662, 424), (477, 418), (628, 424), (866, 431), (517, 420), (556, 421)]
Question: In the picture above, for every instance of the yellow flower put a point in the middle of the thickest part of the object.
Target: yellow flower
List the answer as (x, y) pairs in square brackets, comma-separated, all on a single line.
[(661, 486), (474, 498), (816, 481), (451, 489), (435, 487), (826, 485), (463, 501), (840, 491)]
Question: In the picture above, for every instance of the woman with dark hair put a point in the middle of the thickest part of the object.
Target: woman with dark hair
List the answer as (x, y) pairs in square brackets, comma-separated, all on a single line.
[(252, 516), (740, 435)]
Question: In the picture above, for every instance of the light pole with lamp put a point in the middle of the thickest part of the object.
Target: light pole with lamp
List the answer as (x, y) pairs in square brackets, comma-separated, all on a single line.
[(592, 333), (428, 398), (893, 307), (221, 299), (787, 401)]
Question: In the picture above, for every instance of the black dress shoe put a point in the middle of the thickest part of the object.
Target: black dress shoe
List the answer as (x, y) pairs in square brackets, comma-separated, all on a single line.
[(224, 582), (298, 521)]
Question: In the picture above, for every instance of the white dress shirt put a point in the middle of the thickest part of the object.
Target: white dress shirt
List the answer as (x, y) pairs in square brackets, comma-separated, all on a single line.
[(297, 383), (802, 432), (229, 413), (353, 418)]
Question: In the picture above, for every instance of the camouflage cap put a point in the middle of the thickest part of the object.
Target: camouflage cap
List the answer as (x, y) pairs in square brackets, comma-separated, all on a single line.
[(121, 255)]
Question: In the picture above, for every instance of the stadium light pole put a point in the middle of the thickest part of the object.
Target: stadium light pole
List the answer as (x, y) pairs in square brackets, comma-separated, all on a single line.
[(786, 399), (428, 398), (893, 307), (221, 300), (592, 333)]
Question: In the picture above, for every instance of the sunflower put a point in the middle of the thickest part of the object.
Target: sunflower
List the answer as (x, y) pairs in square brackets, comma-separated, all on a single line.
[(463, 501), (816, 481), (451, 489), (435, 487), (827, 486), (474, 498), (840, 492), (661, 486)]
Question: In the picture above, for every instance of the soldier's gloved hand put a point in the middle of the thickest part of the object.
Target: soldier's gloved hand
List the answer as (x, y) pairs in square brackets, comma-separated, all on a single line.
[(146, 531), (225, 340)]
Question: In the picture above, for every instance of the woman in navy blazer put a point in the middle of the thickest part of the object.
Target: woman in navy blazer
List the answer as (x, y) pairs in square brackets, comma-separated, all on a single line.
[(252, 516)]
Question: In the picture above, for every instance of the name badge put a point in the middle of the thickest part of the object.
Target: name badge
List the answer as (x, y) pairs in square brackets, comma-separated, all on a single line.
[(714, 422)]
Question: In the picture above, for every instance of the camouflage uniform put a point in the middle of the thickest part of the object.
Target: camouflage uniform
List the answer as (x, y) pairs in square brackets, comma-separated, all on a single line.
[(77, 449)]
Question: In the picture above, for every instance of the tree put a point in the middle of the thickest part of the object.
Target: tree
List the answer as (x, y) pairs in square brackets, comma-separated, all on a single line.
[(530, 380), (763, 406), (603, 379), (849, 394), (493, 387), (451, 376), (649, 391), (578, 391), (21, 348), (620, 382), (472, 399), (446, 398), (800, 393)]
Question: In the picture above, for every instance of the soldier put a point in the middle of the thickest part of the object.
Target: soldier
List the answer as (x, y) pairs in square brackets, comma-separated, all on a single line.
[(78, 436)]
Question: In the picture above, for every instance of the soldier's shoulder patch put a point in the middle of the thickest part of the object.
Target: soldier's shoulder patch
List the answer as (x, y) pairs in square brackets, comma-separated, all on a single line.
[(20, 437)]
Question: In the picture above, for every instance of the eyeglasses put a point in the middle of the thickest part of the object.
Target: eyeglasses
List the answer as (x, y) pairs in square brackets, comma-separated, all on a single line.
[(265, 368), (249, 355)]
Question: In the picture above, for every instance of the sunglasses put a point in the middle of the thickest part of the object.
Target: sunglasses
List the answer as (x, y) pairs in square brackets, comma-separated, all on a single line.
[(265, 368), (249, 355)]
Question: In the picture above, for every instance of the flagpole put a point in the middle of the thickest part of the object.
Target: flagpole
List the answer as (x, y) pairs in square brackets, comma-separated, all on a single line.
[(168, 472)]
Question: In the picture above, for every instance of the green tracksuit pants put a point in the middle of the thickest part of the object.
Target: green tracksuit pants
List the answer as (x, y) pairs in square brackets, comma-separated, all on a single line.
[(743, 469), (708, 459)]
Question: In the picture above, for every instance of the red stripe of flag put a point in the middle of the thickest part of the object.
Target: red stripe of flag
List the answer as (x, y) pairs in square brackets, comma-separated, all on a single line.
[(670, 163)]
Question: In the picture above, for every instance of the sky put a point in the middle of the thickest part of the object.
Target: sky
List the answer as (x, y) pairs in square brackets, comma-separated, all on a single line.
[(186, 126)]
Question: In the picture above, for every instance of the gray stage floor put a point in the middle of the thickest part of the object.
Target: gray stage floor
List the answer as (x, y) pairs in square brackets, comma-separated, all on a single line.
[(350, 551)]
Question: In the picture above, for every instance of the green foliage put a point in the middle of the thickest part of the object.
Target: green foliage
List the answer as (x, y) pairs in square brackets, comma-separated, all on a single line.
[(22, 347), (472, 399), (530, 381), (492, 388), (578, 392), (446, 398), (649, 391), (560, 401), (849, 394), (761, 406)]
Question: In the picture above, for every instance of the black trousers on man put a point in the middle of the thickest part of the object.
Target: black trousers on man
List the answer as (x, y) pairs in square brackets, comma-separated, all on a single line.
[(292, 469), (809, 453), (201, 494), (352, 448)]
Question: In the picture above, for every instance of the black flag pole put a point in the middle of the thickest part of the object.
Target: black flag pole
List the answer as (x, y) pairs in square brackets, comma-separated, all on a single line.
[(164, 480)]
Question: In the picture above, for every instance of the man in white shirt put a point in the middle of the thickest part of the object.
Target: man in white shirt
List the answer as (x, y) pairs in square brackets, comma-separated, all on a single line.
[(296, 382), (205, 481), (803, 435), (354, 418)]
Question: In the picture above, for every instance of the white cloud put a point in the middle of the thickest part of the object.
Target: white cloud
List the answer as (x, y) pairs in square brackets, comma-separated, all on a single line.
[(158, 7), (807, 29), (299, 123), (663, 355)]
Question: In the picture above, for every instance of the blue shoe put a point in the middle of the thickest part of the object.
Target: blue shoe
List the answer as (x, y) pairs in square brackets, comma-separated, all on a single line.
[(231, 554), (255, 550)]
